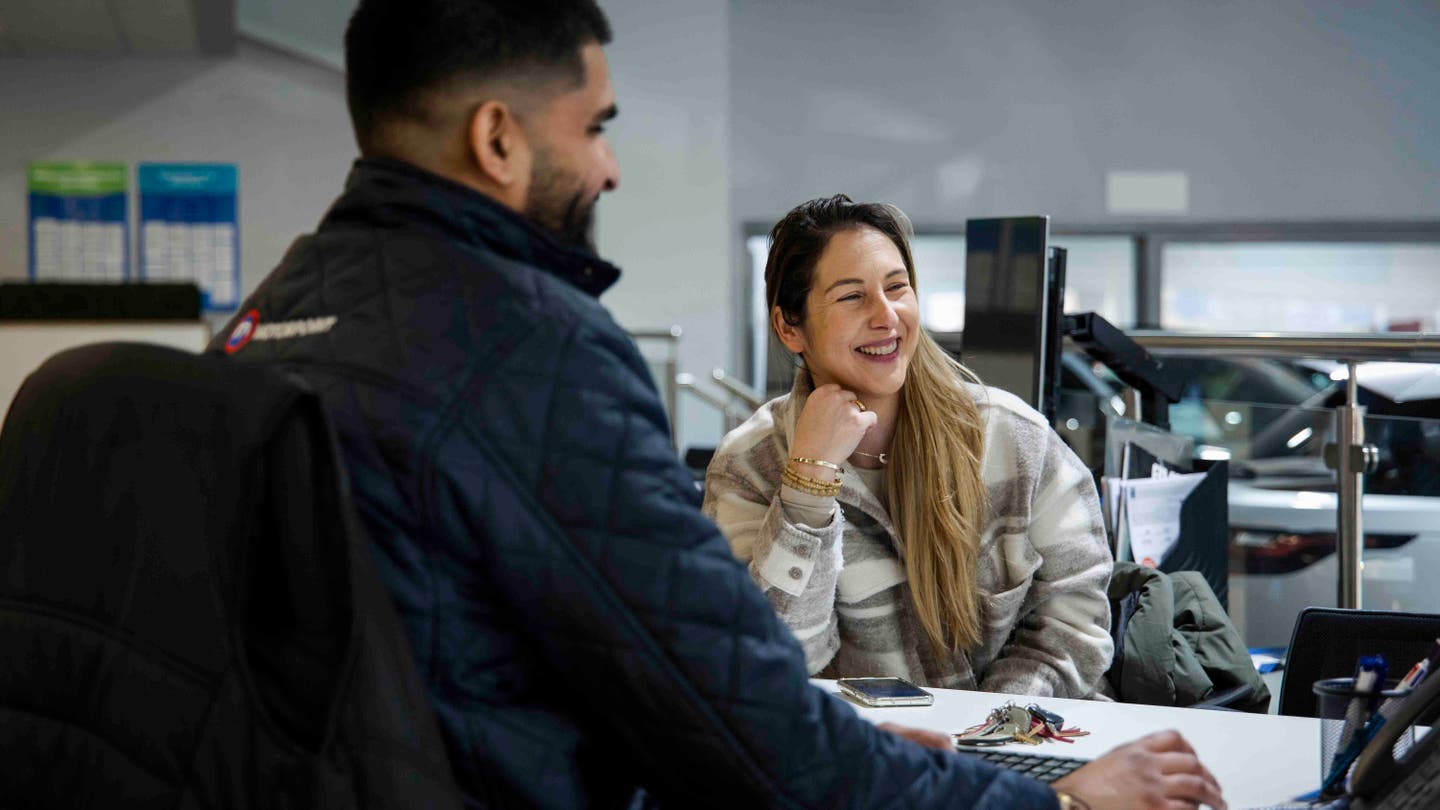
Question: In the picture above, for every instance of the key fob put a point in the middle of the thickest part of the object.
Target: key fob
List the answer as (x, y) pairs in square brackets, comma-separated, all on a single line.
[(1046, 716)]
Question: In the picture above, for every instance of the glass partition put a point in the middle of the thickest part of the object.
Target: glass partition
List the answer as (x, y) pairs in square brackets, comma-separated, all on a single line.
[(1282, 495), (1282, 555)]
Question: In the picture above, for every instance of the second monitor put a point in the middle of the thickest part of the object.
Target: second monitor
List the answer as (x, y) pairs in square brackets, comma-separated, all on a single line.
[(1014, 289)]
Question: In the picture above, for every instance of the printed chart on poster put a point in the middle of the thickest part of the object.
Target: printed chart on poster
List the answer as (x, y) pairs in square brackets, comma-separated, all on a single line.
[(189, 228), (78, 224)]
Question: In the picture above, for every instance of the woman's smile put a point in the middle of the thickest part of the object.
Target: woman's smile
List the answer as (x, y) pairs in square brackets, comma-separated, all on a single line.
[(881, 351)]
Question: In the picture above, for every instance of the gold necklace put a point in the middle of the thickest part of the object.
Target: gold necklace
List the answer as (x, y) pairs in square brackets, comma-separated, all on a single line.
[(883, 458)]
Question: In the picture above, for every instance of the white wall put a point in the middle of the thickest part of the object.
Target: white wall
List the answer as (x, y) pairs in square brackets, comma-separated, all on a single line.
[(668, 224), (1276, 110), (281, 119)]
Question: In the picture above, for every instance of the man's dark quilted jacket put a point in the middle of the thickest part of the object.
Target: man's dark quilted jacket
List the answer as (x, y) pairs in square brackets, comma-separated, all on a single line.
[(582, 628)]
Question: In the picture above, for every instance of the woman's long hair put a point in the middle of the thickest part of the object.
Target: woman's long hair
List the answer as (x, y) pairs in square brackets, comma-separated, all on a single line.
[(937, 499)]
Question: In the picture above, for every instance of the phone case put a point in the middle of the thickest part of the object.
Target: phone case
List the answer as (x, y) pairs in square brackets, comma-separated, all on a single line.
[(856, 688)]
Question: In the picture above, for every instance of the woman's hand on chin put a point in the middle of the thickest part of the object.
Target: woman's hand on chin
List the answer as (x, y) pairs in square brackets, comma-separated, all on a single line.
[(830, 425)]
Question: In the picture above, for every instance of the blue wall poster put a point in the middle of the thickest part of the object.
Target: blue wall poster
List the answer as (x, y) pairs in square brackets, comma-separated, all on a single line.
[(189, 228), (78, 224)]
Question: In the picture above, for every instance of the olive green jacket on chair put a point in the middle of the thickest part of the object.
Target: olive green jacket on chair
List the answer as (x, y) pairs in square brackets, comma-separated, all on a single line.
[(1174, 643)]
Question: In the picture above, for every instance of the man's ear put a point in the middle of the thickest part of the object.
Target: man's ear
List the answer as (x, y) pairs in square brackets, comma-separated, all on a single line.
[(791, 336), (498, 145)]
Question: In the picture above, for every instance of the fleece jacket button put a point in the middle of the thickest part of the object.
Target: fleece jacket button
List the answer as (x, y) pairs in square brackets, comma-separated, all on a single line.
[(796, 573)]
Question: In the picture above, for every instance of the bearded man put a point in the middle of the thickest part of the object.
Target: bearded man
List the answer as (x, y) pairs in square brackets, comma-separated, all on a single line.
[(585, 633)]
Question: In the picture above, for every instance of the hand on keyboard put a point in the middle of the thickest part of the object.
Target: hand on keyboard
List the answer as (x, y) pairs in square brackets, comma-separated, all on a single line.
[(1156, 771)]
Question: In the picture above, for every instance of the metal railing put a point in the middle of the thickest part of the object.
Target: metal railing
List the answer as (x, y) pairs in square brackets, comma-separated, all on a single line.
[(724, 401), (1414, 347), (670, 369), (671, 381), (1351, 457), (748, 396)]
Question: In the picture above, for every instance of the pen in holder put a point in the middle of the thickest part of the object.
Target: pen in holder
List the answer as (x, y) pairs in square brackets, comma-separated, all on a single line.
[(1333, 697)]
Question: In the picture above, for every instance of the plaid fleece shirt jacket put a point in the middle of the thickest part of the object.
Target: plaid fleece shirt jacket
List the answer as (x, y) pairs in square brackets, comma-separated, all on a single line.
[(833, 568)]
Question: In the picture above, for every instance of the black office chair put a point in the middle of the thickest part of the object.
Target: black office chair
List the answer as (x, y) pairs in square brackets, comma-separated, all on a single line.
[(189, 613), (1327, 641)]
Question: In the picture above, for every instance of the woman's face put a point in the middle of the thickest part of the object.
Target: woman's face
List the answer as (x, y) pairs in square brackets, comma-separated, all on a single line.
[(861, 317)]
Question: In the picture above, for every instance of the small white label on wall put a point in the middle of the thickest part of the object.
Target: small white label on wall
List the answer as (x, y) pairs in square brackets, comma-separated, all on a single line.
[(1147, 193)]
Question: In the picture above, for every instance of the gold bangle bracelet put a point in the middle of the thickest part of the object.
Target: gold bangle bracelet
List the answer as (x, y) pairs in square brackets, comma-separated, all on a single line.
[(818, 462)]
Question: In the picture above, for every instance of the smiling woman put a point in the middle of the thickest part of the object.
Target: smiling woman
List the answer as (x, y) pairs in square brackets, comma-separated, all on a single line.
[(902, 518)]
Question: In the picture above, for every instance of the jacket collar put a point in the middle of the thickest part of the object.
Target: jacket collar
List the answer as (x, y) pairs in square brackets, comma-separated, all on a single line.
[(390, 192), (853, 491)]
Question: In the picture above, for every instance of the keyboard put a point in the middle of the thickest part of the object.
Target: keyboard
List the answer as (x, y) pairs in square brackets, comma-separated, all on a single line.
[(1035, 766)]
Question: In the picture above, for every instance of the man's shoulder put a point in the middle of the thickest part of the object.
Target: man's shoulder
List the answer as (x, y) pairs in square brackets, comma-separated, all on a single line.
[(424, 266), (407, 300)]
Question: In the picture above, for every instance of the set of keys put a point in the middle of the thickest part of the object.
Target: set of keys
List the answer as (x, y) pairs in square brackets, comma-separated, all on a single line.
[(1031, 725)]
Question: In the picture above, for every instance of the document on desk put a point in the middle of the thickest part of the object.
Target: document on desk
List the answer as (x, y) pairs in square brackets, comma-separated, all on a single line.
[(1151, 514)]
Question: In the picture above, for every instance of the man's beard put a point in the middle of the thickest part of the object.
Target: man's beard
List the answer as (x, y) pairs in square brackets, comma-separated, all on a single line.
[(554, 206)]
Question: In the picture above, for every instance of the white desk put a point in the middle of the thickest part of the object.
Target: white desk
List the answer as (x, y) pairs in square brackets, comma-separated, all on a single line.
[(1259, 759)]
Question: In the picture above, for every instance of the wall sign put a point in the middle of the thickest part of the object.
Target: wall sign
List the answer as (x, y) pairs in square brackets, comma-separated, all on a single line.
[(189, 228), (78, 223)]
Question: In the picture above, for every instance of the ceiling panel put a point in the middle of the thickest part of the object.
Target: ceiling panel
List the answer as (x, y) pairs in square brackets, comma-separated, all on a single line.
[(157, 26), (117, 26), (59, 26)]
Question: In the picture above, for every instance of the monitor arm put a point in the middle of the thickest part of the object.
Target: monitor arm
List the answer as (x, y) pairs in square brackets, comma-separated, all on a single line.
[(1129, 361)]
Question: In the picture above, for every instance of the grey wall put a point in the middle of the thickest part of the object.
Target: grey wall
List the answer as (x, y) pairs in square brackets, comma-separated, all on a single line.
[(668, 224), (1276, 110), (282, 120)]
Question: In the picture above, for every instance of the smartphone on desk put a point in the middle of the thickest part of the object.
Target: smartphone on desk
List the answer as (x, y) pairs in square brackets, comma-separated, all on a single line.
[(882, 692)]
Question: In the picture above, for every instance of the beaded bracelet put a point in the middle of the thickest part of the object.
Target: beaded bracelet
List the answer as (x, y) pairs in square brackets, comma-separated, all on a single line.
[(823, 492), (791, 475), (805, 483), (791, 472)]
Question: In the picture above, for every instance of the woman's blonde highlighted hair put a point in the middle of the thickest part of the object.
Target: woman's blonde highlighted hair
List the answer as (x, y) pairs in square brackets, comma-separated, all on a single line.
[(937, 498)]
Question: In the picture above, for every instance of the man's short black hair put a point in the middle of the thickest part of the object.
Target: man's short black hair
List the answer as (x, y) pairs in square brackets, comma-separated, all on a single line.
[(396, 50)]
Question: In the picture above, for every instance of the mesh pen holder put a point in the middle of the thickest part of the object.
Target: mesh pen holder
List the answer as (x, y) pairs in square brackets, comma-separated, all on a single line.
[(1333, 697)]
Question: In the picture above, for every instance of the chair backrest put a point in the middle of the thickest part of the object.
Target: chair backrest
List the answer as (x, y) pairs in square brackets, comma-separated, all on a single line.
[(1327, 641), (188, 612)]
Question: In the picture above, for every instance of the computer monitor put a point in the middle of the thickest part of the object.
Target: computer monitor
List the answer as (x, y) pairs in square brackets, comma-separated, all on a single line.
[(1014, 293)]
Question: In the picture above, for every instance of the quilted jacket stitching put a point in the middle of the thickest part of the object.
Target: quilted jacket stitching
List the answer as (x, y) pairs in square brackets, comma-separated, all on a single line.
[(624, 613)]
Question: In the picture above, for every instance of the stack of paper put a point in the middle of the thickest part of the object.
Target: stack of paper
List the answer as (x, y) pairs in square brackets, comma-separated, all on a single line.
[(1143, 506)]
